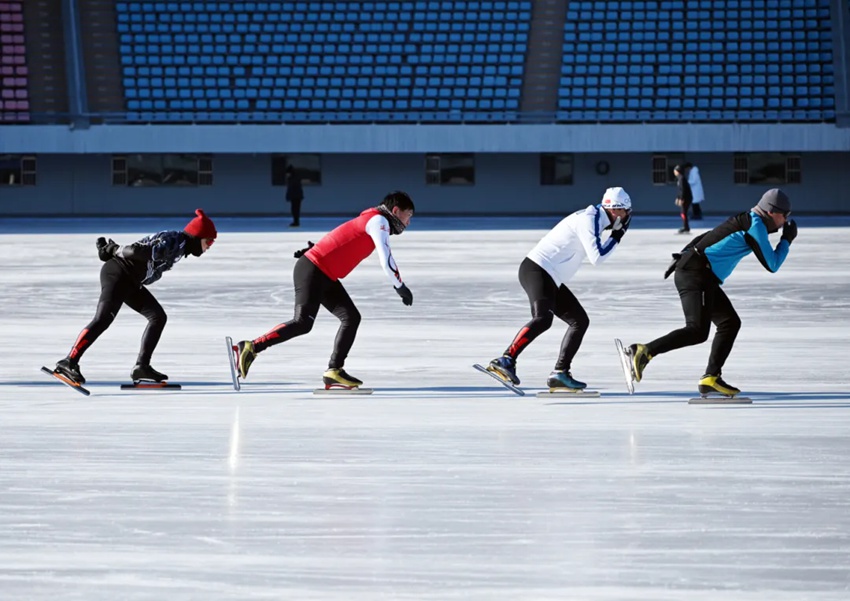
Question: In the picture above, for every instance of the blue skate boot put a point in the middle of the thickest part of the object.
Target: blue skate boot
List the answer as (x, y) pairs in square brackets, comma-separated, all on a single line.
[(560, 379), (505, 368)]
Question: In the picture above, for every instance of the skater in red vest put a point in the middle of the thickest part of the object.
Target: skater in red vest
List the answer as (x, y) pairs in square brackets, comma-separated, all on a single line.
[(317, 277)]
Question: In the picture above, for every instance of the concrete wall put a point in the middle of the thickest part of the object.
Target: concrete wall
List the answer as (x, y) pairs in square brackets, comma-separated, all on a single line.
[(584, 138), (504, 184)]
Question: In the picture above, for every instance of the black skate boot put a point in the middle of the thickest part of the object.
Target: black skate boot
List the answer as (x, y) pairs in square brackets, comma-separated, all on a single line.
[(505, 368), (337, 378), (714, 384), (71, 370), (245, 355), (146, 373)]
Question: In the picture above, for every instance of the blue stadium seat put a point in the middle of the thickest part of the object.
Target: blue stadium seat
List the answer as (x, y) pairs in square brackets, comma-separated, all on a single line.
[(743, 53), (255, 57)]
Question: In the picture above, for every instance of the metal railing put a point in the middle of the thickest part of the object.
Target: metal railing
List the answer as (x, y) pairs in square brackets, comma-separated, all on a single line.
[(428, 118)]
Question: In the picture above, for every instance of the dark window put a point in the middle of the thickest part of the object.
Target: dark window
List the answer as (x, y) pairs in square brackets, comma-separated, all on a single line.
[(741, 171), (450, 169), (662, 168), (556, 169), (308, 166), (146, 170), (659, 170), (767, 168), (17, 170)]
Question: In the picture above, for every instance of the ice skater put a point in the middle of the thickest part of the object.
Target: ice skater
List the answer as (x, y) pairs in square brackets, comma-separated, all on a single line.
[(544, 273), (317, 275), (700, 270), (124, 277)]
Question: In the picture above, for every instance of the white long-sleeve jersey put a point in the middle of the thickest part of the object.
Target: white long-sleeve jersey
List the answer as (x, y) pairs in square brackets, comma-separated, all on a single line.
[(578, 236), (379, 229)]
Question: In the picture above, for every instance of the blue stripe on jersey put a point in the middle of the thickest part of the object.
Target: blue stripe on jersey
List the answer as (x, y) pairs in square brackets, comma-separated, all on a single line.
[(603, 250)]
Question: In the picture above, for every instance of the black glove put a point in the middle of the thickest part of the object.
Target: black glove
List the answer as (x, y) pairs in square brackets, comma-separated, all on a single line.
[(789, 231), (106, 250), (405, 294), (672, 266), (300, 253), (620, 227)]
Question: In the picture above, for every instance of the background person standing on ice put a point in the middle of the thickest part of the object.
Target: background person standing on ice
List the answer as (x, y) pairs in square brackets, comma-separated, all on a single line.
[(697, 191), (544, 273), (700, 270), (126, 272), (316, 276)]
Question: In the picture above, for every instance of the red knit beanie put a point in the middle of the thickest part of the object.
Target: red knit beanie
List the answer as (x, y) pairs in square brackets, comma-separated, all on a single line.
[(201, 226)]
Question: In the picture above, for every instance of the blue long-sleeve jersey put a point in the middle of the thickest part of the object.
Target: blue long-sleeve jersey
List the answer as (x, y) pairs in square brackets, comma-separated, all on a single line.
[(734, 239)]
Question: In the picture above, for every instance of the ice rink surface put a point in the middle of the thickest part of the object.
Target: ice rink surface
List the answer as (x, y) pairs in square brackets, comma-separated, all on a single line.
[(441, 485)]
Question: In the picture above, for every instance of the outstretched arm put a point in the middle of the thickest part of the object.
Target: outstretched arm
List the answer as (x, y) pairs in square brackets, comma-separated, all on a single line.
[(379, 229)]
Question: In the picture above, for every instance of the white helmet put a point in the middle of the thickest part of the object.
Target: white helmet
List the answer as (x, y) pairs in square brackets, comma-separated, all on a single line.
[(616, 198)]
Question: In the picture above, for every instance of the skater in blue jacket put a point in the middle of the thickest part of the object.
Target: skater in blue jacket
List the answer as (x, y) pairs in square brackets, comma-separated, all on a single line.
[(700, 270)]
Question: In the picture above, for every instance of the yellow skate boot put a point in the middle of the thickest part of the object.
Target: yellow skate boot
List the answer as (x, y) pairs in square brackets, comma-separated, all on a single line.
[(337, 378)]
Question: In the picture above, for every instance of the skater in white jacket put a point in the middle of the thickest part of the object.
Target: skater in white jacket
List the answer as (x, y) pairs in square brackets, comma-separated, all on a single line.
[(545, 272)]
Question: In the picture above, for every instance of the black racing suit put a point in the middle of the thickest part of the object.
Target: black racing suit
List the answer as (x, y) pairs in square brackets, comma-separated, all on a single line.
[(547, 300), (313, 289), (699, 284), (123, 278)]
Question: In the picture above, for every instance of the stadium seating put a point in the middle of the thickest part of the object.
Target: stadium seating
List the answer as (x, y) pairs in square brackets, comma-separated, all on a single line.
[(709, 60), (339, 61), (14, 99)]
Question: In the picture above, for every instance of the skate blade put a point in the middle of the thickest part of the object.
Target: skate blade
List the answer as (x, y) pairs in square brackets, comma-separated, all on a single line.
[(509, 385), (66, 381), (142, 385), (231, 355), (554, 393), (720, 400), (342, 390), (625, 363)]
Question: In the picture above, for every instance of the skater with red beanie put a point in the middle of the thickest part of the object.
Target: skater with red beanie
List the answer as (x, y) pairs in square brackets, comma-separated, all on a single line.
[(124, 277)]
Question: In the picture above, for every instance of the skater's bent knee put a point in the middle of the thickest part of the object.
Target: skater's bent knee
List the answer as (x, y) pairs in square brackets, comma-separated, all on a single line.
[(732, 324), (351, 318), (542, 322), (579, 322)]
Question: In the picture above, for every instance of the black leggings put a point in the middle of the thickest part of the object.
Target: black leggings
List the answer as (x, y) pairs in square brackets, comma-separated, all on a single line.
[(296, 211), (312, 289), (683, 213), (548, 300), (117, 288), (704, 303)]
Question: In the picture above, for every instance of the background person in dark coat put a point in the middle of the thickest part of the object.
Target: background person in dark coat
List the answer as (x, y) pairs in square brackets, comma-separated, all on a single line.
[(294, 194), (684, 196)]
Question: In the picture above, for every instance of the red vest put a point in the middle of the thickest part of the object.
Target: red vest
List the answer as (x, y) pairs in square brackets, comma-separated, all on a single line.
[(341, 250)]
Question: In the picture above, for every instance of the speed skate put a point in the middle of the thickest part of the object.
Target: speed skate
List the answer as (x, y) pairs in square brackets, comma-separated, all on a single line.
[(719, 399), (573, 393), (626, 363), (342, 390), (231, 356), (146, 385), (509, 385), (66, 381)]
